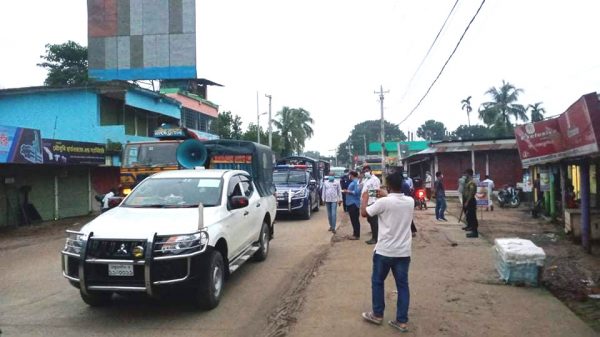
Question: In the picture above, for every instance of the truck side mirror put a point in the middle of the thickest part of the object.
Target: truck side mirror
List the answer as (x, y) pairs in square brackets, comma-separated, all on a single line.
[(238, 201)]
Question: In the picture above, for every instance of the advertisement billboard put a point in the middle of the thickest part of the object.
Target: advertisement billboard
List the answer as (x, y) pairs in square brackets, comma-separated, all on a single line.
[(570, 135), (20, 145), (141, 39), (64, 152)]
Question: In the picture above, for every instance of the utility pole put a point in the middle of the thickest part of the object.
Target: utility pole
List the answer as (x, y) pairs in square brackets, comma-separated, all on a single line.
[(257, 120), (382, 132), (269, 128)]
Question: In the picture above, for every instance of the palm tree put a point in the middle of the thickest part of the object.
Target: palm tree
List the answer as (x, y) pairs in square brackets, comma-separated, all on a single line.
[(295, 127), (498, 112), (537, 112), (466, 105)]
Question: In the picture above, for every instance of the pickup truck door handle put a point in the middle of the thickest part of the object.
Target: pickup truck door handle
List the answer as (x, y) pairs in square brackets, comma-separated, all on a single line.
[(258, 204), (246, 213)]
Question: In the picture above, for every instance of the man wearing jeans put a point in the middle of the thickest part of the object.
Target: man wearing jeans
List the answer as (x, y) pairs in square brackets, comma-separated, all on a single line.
[(392, 252), (440, 197), (332, 197)]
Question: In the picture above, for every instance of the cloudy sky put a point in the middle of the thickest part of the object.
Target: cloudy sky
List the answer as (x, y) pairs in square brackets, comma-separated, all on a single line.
[(330, 56)]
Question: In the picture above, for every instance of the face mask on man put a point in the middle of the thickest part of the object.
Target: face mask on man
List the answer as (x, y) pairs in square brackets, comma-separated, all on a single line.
[(367, 174), (331, 178), (405, 175)]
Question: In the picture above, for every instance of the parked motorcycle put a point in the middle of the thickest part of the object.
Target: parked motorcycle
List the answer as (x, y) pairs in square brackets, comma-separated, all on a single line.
[(509, 197)]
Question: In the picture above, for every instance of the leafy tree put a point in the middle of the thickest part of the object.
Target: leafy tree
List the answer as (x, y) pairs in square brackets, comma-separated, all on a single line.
[(236, 127), (295, 126), (466, 105), (467, 132), (364, 133), (66, 63), (497, 113), (251, 133), (537, 112), (432, 130)]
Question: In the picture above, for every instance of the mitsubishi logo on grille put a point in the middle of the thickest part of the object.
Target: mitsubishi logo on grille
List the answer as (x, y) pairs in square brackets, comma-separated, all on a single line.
[(122, 250)]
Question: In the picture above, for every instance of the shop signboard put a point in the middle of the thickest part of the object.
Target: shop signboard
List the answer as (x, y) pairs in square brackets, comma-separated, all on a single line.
[(64, 152), (20, 145), (482, 196), (572, 134)]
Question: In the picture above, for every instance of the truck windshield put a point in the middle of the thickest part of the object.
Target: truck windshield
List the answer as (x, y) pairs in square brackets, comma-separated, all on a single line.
[(175, 193), (150, 154), (289, 177)]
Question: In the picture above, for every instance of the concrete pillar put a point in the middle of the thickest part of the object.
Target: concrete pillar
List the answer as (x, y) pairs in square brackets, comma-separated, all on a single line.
[(563, 186), (473, 160), (487, 164), (585, 205), (56, 215)]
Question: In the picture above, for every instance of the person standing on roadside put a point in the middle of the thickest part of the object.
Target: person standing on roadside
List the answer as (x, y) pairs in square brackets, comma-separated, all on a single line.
[(345, 181), (106, 199), (332, 197), (352, 202), (470, 204), (440, 197), (392, 252), (428, 181), (368, 196)]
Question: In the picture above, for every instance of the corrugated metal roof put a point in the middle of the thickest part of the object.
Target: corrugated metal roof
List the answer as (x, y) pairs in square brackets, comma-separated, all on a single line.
[(416, 145)]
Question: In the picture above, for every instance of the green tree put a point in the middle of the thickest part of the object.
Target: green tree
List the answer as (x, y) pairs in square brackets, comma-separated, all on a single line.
[(467, 132), (251, 134), (466, 105), (497, 113), (66, 63), (432, 130), (295, 127), (236, 127), (537, 112), (364, 133), (312, 154)]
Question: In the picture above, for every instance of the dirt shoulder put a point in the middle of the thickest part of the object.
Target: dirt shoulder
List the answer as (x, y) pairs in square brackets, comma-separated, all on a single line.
[(454, 291), (569, 273)]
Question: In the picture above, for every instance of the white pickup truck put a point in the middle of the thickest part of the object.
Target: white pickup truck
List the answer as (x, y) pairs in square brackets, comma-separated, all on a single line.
[(186, 229)]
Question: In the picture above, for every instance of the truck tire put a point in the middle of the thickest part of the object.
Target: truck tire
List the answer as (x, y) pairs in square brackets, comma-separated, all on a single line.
[(96, 299), (263, 243), (212, 278)]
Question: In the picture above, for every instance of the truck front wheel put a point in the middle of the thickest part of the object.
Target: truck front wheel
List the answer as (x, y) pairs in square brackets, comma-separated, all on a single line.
[(212, 278), (263, 243), (96, 299)]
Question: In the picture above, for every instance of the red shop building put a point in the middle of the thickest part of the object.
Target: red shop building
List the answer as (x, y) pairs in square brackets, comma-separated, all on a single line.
[(498, 158), (563, 157)]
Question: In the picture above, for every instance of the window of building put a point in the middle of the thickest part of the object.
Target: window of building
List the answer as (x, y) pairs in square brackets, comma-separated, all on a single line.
[(111, 111)]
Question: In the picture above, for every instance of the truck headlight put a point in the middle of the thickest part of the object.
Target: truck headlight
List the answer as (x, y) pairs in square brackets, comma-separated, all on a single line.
[(301, 194), (74, 243), (178, 244)]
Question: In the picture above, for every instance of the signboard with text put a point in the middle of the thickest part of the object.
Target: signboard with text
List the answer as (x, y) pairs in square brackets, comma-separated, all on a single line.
[(570, 135), (482, 196), (64, 152)]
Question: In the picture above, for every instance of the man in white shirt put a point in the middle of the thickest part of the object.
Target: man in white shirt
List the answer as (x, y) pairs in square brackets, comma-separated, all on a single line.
[(106, 198), (393, 250), (490, 185), (428, 185), (371, 185)]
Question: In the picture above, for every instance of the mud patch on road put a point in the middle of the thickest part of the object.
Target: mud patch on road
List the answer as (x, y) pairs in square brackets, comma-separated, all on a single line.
[(280, 321)]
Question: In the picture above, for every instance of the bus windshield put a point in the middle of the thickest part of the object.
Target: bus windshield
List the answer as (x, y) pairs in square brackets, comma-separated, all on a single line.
[(150, 154)]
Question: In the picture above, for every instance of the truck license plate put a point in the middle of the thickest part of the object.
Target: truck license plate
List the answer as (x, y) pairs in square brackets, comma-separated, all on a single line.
[(120, 270)]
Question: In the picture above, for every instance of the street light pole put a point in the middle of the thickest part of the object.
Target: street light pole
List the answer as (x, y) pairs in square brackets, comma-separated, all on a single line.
[(269, 128), (382, 132), (257, 120)]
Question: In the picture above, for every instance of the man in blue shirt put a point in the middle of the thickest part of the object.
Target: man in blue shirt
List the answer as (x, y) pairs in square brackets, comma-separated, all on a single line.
[(352, 202)]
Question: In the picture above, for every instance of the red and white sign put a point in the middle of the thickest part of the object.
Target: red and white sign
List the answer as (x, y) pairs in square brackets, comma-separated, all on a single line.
[(570, 135)]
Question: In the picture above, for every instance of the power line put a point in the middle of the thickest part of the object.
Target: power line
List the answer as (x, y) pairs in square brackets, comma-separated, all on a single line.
[(445, 64), (429, 51)]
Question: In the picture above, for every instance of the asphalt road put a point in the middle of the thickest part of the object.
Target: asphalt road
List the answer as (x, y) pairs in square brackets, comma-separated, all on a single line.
[(35, 300)]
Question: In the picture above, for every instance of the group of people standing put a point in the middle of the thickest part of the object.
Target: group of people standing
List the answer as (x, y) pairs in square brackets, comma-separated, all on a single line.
[(351, 191)]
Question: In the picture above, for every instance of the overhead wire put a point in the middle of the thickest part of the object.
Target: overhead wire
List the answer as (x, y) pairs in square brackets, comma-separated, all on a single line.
[(445, 64), (428, 51)]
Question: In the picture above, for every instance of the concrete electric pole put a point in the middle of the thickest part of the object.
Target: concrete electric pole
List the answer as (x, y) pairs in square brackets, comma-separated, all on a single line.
[(269, 127), (382, 132)]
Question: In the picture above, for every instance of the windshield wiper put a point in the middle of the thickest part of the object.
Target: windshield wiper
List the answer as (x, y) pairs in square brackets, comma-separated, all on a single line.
[(150, 206)]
